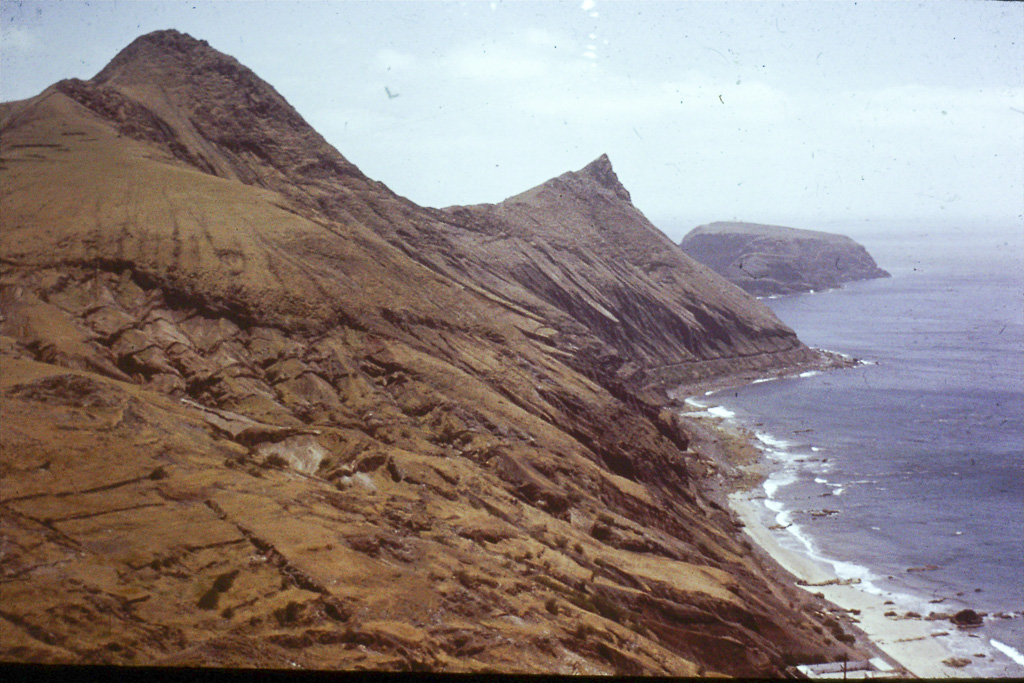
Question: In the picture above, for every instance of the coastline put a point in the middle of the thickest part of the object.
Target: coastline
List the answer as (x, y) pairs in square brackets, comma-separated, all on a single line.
[(913, 645), (823, 361)]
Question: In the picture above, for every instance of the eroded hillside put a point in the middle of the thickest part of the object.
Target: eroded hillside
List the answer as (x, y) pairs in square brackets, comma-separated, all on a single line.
[(260, 411)]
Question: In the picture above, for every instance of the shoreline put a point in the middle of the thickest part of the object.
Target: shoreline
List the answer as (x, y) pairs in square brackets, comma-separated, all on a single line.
[(916, 646), (824, 361)]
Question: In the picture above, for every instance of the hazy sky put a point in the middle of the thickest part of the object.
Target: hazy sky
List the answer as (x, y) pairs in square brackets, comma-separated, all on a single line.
[(807, 114)]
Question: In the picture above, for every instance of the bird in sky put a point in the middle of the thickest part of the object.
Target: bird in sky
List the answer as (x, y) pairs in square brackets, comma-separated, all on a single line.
[(391, 95)]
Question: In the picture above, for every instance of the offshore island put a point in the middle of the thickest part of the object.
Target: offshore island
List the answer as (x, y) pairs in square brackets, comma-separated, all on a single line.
[(771, 260), (260, 411)]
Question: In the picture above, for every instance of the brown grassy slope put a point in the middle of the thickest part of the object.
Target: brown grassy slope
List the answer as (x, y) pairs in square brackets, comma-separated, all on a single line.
[(243, 428), (573, 252), (113, 201)]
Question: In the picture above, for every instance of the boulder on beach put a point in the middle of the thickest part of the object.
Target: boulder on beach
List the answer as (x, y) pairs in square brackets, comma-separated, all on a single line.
[(967, 618)]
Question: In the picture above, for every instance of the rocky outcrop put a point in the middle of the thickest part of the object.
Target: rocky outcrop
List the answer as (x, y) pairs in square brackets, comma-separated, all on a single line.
[(770, 259), (260, 411), (654, 316)]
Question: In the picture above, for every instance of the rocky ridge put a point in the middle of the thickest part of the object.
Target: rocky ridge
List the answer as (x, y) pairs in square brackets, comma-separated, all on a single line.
[(770, 259), (579, 245), (260, 411)]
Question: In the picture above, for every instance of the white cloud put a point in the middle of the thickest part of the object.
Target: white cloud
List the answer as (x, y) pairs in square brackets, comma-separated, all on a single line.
[(534, 54), (674, 103), (543, 37), (18, 39), (914, 106), (393, 60), (496, 64)]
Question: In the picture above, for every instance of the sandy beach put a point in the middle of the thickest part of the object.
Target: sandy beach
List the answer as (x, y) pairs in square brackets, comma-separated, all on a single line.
[(915, 643)]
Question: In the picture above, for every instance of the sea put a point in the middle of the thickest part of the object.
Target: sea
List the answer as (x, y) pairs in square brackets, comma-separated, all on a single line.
[(907, 471)]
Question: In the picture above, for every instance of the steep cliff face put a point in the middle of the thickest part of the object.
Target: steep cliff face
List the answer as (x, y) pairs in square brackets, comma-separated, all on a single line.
[(260, 411), (769, 259), (579, 245)]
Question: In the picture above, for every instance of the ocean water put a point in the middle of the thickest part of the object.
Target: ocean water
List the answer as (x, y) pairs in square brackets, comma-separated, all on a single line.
[(908, 471)]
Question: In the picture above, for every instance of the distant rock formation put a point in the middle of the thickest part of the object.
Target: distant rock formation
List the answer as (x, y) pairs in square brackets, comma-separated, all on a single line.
[(771, 259)]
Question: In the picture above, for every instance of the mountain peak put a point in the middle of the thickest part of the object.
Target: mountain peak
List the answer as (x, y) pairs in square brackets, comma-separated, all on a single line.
[(602, 164), (169, 38), (601, 172), (217, 114), (156, 48)]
